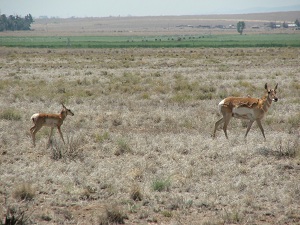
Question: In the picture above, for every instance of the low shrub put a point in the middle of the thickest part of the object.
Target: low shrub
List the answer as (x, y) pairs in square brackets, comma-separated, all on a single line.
[(112, 215), (161, 185), (10, 114), (24, 192), (135, 193), (123, 147)]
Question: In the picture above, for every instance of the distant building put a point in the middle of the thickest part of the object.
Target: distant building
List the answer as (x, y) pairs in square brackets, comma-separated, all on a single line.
[(292, 25), (220, 26)]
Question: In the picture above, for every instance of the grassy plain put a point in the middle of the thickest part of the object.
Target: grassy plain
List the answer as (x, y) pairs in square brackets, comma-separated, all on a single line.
[(165, 41), (139, 148)]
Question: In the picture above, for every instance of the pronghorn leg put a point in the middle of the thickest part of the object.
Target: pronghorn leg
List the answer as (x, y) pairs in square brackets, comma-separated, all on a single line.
[(249, 127), (33, 131), (58, 128), (261, 128), (216, 126), (49, 141), (32, 136), (226, 122)]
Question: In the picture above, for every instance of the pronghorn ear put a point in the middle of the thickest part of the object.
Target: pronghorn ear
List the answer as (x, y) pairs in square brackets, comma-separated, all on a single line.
[(63, 105), (266, 86), (276, 87)]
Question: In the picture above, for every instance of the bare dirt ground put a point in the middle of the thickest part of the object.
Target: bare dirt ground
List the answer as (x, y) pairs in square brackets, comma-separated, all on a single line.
[(139, 148)]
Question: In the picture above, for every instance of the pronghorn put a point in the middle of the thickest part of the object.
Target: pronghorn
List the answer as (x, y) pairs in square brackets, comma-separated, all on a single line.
[(49, 120), (252, 109)]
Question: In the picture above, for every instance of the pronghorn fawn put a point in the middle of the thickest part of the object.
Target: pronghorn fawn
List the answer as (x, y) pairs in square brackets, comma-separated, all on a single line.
[(252, 109), (49, 120)]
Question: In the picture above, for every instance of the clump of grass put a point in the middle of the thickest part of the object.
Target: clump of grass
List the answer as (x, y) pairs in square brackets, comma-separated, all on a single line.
[(102, 137), (24, 192), (224, 68), (117, 122), (160, 87), (128, 83), (186, 90), (188, 123), (180, 203), (208, 88), (46, 217), (10, 114), (284, 149), (295, 85), (137, 174), (247, 87), (88, 193), (182, 84), (204, 96), (166, 213), (181, 97), (135, 193), (123, 147), (70, 151), (145, 96), (293, 120), (206, 92), (112, 215), (291, 149), (15, 216), (57, 151), (161, 185), (233, 217)]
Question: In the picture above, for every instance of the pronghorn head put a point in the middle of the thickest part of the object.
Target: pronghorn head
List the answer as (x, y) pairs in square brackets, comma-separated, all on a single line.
[(67, 111), (272, 93)]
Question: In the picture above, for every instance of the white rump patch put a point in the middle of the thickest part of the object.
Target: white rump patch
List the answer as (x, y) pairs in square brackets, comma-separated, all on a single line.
[(34, 116), (221, 104)]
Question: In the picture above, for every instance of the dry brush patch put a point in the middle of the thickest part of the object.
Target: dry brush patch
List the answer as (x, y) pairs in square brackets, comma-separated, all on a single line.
[(138, 149)]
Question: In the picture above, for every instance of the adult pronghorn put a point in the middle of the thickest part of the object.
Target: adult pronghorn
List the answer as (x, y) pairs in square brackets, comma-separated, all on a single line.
[(49, 120), (252, 109)]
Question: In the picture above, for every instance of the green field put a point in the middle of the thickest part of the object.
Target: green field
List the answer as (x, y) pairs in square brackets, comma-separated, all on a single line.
[(214, 41)]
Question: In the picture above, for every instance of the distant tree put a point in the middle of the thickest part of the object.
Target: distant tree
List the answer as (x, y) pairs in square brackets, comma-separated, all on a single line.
[(3, 22), (240, 27), (297, 23), (11, 25), (28, 21), (15, 22)]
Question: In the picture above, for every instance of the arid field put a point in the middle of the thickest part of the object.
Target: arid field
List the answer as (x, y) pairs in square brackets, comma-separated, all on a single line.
[(139, 147)]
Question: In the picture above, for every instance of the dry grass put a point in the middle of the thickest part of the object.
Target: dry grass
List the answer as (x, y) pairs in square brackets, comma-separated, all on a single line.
[(138, 149)]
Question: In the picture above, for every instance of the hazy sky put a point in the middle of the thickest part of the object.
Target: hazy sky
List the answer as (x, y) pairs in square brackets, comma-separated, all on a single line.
[(103, 8)]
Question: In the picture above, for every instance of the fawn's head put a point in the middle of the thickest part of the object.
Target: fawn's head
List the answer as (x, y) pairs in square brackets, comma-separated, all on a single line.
[(66, 111), (272, 93)]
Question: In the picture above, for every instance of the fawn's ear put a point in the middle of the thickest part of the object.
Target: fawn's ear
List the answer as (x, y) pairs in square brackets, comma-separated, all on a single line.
[(276, 87), (63, 105), (266, 86)]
